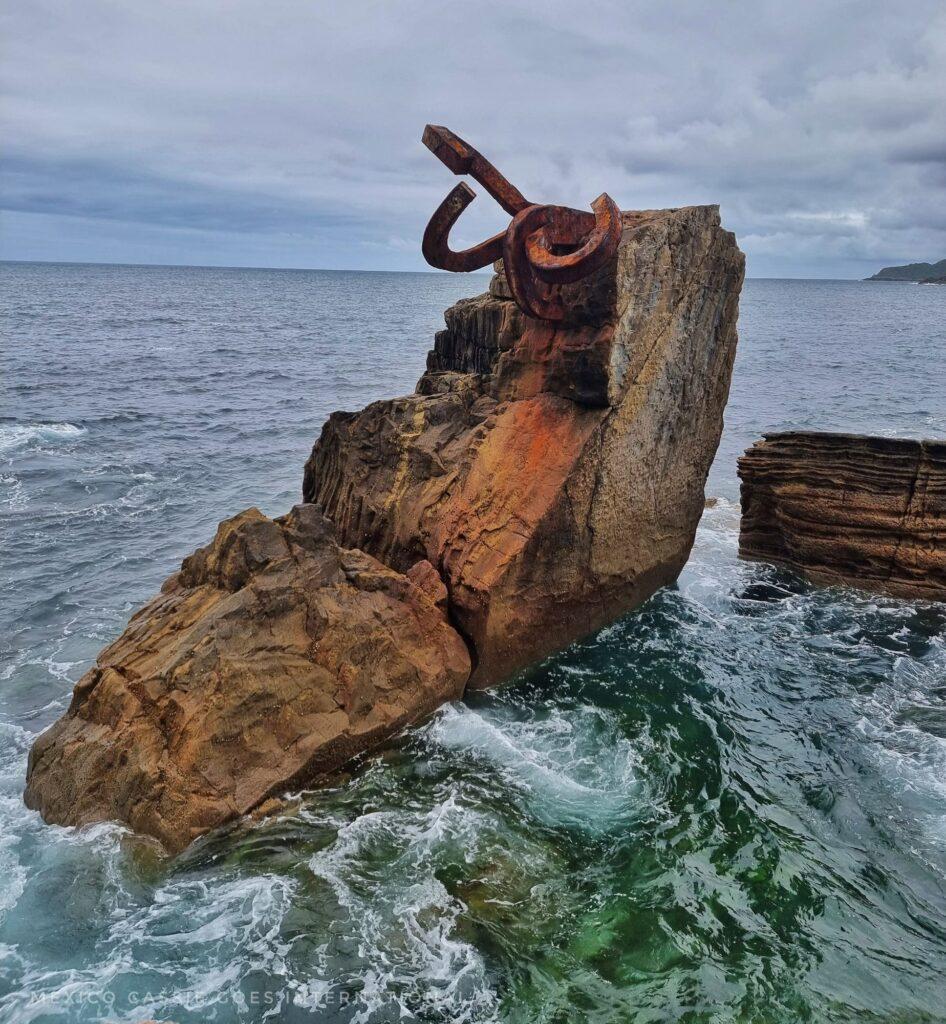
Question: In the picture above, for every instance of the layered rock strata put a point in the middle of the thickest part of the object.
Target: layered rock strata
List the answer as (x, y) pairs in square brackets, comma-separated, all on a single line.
[(846, 508), (543, 479)]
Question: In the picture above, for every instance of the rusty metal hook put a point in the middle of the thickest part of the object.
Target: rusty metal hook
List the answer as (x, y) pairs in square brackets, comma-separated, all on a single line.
[(461, 158), (543, 247), (534, 297), (563, 227), (531, 266), (436, 247)]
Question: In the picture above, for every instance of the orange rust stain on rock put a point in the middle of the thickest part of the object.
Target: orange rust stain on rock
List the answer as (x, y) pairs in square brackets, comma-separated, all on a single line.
[(516, 477)]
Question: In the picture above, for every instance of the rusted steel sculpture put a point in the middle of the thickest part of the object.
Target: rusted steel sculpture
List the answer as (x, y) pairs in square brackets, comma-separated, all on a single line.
[(543, 248)]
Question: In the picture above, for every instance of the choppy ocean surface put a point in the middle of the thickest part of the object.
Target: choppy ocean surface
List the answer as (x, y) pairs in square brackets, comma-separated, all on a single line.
[(730, 806)]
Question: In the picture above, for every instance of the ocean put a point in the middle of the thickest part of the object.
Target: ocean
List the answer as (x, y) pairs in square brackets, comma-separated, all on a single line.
[(728, 806)]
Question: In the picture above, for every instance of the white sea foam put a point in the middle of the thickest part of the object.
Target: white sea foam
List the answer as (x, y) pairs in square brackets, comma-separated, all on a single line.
[(571, 766), (191, 942), (13, 874), (16, 435), (910, 758), (13, 495), (405, 919), (206, 935)]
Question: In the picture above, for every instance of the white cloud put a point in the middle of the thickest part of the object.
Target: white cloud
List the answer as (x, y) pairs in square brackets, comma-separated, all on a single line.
[(818, 126)]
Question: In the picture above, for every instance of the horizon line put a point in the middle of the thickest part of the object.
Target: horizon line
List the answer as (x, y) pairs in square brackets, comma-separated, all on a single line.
[(325, 270)]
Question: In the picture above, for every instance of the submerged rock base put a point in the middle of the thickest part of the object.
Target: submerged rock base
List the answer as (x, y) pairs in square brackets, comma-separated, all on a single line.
[(846, 508), (543, 479)]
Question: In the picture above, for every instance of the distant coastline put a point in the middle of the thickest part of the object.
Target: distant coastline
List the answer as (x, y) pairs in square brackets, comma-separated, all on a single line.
[(917, 273)]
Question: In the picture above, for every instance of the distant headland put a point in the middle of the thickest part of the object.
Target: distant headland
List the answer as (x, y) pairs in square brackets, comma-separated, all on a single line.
[(920, 273)]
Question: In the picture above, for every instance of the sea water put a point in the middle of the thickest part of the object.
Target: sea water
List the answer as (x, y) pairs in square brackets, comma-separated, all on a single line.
[(728, 806)]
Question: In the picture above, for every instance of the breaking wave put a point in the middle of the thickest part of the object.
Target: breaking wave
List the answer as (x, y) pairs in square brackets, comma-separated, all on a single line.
[(17, 435)]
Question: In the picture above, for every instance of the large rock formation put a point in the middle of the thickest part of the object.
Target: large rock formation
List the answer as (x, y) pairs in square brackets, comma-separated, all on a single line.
[(845, 508), (553, 474), (543, 479), (271, 657)]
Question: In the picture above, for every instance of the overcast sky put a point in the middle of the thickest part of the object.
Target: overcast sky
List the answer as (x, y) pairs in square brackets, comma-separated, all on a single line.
[(287, 132)]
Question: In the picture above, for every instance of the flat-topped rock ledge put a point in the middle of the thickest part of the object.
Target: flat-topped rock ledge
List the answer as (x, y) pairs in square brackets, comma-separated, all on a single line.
[(848, 508), (543, 479)]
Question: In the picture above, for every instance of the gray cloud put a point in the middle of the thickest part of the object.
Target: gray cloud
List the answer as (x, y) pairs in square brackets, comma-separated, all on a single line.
[(287, 132)]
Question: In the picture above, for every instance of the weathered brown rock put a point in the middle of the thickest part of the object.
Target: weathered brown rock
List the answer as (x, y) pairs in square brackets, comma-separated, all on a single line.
[(477, 331), (272, 656), (845, 508), (552, 473), (543, 479)]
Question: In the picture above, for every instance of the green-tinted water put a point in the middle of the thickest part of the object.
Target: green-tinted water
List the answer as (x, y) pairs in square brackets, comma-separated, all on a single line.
[(699, 815), (729, 807)]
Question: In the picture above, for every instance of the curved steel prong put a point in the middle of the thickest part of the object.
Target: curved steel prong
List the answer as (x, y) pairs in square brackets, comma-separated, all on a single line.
[(436, 246), (462, 158), (531, 295), (543, 248), (562, 227)]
